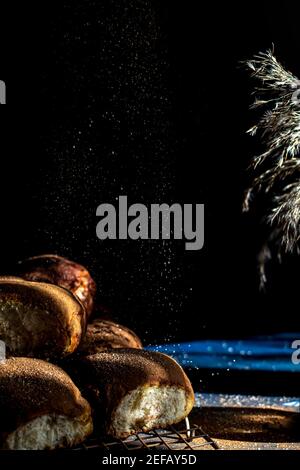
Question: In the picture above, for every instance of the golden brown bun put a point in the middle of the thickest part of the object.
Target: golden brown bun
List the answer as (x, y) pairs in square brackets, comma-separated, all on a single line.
[(135, 390), (102, 335), (38, 319), (63, 273), (32, 389)]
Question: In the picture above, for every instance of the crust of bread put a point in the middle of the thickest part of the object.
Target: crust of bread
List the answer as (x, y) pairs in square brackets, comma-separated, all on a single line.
[(39, 319), (62, 272), (107, 378), (31, 388), (102, 335)]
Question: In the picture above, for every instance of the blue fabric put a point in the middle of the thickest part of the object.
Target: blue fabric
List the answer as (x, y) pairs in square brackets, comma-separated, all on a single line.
[(262, 353)]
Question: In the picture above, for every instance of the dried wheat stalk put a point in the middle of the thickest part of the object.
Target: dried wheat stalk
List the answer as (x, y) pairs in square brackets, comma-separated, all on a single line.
[(277, 169)]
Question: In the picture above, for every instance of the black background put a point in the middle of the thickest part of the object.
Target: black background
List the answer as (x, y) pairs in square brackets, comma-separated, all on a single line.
[(146, 99)]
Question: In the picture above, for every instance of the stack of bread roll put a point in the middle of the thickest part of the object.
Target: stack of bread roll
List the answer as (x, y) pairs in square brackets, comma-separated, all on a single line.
[(68, 372)]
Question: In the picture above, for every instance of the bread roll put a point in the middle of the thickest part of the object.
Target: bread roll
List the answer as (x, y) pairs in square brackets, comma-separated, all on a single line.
[(63, 273), (39, 320), (133, 390), (102, 335), (40, 407)]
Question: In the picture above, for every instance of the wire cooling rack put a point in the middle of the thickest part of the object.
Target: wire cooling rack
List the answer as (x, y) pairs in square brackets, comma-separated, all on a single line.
[(191, 437)]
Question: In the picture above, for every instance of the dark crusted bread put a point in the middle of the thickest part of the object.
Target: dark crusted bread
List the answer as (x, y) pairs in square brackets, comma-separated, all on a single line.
[(40, 407), (38, 319), (134, 390), (63, 273), (102, 335)]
